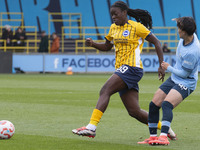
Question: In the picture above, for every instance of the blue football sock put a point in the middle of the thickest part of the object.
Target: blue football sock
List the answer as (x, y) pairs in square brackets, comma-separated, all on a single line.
[(167, 108), (153, 118)]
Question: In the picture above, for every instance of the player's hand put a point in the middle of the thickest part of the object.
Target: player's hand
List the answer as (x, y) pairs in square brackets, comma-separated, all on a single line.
[(164, 65), (89, 42), (161, 74)]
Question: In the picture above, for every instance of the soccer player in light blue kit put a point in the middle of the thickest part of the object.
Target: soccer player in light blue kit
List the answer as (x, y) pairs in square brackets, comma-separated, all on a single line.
[(182, 83)]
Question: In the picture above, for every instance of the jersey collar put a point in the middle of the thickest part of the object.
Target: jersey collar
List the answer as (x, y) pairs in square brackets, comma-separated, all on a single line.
[(188, 43)]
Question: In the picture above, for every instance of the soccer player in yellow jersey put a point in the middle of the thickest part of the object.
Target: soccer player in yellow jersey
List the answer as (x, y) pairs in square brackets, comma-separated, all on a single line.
[(128, 38)]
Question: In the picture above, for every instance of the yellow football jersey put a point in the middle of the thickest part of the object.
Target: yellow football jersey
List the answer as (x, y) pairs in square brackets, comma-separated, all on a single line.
[(128, 41)]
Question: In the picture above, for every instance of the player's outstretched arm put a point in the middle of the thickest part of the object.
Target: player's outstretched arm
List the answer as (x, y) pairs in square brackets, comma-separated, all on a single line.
[(100, 46), (181, 73), (152, 39)]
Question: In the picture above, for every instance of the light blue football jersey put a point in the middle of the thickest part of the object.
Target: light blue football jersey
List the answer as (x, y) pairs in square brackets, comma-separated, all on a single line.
[(187, 58)]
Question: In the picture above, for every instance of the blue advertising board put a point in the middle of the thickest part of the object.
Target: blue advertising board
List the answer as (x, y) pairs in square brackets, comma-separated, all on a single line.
[(28, 63), (100, 63), (151, 62), (60, 63), (80, 63)]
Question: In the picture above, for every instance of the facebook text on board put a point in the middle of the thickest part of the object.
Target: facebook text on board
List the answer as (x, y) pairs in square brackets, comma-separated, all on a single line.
[(91, 62)]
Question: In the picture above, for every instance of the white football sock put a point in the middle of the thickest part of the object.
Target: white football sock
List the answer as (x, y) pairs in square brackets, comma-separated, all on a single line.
[(171, 132), (163, 134), (91, 127)]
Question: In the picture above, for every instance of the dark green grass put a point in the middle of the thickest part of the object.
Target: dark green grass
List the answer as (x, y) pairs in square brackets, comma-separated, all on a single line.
[(45, 108)]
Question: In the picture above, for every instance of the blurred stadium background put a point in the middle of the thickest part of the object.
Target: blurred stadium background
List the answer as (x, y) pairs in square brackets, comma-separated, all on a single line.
[(75, 20)]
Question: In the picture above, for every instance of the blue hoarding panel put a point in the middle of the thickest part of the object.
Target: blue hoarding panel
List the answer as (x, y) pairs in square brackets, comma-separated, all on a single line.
[(100, 63), (28, 63), (60, 63), (151, 62), (81, 63)]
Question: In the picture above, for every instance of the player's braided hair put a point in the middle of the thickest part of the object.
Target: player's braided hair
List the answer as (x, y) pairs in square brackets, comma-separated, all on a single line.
[(142, 16)]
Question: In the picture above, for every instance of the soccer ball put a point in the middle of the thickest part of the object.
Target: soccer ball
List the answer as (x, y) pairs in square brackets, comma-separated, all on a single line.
[(7, 129), (69, 68)]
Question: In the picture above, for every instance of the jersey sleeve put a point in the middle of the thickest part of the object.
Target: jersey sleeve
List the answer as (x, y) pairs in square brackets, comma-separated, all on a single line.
[(189, 62), (142, 31), (181, 73), (109, 37)]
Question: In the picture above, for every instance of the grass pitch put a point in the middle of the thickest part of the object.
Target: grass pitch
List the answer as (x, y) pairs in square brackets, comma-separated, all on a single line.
[(45, 108)]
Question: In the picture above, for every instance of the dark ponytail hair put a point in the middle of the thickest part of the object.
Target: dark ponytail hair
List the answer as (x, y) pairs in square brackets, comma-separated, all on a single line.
[(142, 16)]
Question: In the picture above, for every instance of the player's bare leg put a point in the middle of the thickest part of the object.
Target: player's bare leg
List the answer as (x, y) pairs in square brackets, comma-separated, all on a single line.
[(113, 85), (131, 102)]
